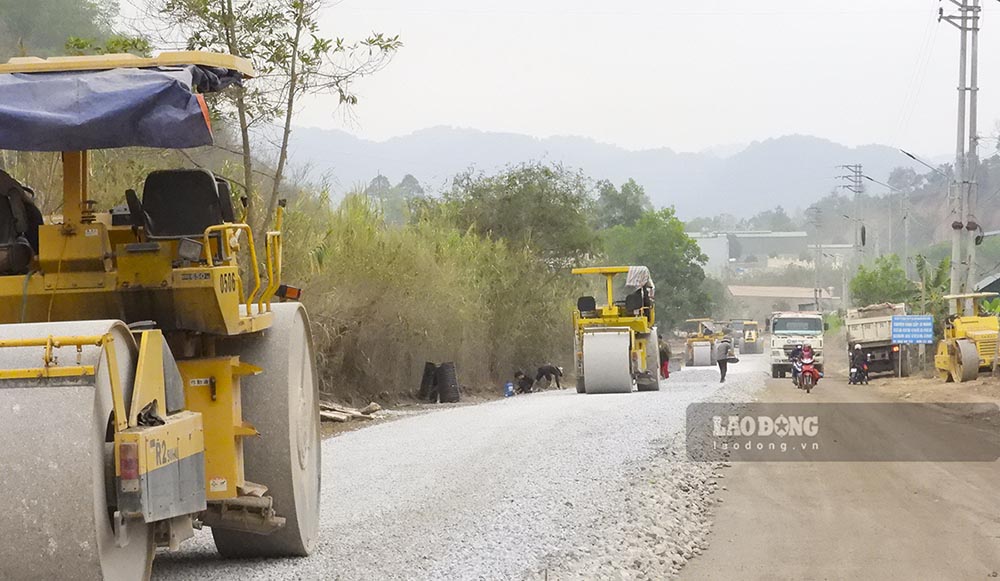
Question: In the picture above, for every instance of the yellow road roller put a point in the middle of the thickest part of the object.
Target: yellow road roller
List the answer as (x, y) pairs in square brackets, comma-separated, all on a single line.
[(699, 347), (616, 342), (154, 376), (970, 340)]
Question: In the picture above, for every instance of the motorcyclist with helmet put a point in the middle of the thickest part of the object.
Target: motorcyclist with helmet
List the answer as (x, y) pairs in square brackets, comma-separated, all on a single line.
[(859, 361), (794, 357)]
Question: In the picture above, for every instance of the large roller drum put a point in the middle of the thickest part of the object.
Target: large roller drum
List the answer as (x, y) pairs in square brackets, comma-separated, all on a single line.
[(607, 361), (282, 403), (651, 382), (701, 354), (56, 464), (967, 364)]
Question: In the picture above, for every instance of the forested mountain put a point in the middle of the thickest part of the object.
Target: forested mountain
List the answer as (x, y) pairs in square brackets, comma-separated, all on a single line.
[(792, 171)]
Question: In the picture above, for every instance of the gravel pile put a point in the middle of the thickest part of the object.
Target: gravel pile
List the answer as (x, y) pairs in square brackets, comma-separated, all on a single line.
[(583, 486)]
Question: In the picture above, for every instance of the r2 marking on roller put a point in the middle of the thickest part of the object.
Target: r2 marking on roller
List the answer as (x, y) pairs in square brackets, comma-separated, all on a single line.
[(227, 282), (164, 453)]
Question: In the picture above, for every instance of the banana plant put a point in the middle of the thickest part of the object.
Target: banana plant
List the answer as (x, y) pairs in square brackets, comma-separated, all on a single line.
[(934, 283)]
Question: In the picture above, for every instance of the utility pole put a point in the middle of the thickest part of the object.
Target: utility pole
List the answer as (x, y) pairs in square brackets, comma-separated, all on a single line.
[(962, 194), (816, 218), (972, 164), (906, 232), (857, 187)]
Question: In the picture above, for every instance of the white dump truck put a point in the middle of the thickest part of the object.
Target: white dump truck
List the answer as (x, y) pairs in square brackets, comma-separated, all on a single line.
[(789, 329), (871, 327)]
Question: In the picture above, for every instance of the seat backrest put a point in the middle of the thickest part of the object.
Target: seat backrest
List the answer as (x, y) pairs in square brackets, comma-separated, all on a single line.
[(225, 199), (633, 301), (181, 203), (586, 304)]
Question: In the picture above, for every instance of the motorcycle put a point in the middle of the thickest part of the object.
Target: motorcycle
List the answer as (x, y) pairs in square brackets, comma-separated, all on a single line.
[(809, 376), (859, 375)]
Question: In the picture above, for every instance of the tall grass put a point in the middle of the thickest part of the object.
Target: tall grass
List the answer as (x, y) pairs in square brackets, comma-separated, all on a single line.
[(386, 299)]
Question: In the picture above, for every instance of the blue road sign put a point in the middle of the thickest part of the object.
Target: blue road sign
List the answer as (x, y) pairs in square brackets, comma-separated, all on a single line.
[(913, 329)]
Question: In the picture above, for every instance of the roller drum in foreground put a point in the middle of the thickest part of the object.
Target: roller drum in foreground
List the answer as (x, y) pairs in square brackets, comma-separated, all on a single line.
[(606, 361), (282, 403), (56, 460)]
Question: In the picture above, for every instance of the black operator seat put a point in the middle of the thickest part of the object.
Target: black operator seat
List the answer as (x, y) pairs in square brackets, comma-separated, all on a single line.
[(586, 305), (181, 203), (633, 302)]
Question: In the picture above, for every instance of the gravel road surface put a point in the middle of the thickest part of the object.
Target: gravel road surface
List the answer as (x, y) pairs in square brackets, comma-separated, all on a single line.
[(583, 486)]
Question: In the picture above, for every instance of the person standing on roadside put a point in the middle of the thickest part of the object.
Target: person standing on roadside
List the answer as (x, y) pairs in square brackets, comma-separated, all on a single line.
[(723, 351), (664, 358)]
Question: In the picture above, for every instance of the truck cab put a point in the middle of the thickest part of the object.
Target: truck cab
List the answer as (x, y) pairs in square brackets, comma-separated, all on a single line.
[(789, 329)]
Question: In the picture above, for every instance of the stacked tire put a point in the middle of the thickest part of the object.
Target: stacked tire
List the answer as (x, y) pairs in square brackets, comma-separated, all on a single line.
[(446, 380), (439, 383)]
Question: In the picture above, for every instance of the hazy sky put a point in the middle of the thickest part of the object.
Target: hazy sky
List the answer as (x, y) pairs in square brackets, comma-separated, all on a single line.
[(686, 75)]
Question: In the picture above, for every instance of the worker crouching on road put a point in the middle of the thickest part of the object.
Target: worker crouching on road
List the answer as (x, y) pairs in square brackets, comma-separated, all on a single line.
[(549, 372), (664, 358), (522, 383), (723, 351)]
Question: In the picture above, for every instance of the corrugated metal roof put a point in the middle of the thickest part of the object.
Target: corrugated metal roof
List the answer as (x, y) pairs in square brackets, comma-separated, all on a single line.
[(748, 234)]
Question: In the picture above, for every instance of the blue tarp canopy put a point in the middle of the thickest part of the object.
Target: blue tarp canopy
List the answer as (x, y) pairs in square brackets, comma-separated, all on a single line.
[(78, 110)]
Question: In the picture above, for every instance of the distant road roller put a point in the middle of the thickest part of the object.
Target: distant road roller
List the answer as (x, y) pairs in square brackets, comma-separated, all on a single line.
[(152, 379), (970, 340), (616, 343), (699, 348)]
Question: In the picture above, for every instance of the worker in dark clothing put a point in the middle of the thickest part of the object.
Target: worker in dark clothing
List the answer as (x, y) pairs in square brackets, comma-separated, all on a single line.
[(723, 351), (549, 372), (522, 383), (664, 358)]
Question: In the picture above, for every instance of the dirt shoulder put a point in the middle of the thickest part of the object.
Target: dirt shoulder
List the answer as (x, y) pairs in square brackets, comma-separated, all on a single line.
[(921, 389), (862, 520)]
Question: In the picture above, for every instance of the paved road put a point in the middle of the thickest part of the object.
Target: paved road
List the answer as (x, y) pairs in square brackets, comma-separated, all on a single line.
[(856, 520), (488, 491)]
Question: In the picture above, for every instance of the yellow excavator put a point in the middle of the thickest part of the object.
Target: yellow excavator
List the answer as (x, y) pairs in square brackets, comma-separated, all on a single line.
[(970, 341), (153, 380), (616, 342)]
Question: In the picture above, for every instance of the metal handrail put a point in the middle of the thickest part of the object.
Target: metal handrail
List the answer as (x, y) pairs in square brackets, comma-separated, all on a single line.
[(51, 368), (224, 228)]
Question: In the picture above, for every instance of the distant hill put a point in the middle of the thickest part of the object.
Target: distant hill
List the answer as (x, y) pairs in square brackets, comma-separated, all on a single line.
[(792, 171)]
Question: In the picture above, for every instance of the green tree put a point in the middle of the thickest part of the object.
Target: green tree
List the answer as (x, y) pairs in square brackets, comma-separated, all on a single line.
[(41, 27), (934, 285), (675, 262), (292, 58), (883, 282), (394, 201), (543, 208), (776, 220), (621, 207)]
